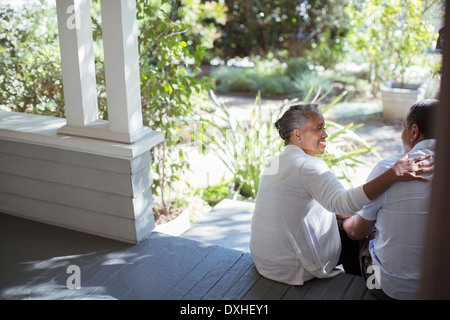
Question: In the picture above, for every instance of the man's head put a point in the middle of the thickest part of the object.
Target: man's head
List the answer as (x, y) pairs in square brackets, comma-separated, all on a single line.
[(419, 122)]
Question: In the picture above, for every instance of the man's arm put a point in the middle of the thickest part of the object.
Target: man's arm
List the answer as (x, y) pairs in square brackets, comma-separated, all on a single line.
[(360, 225), (358, 228)]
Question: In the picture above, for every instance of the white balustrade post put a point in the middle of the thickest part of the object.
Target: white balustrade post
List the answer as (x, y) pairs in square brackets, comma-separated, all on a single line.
[(77, 61), (119, 28)]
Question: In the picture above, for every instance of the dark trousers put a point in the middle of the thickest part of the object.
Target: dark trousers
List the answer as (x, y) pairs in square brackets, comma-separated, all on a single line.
[(355, 259), (349, 257)]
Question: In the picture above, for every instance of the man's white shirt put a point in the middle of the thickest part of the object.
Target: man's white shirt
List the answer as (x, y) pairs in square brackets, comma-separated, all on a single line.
[(400, 215)]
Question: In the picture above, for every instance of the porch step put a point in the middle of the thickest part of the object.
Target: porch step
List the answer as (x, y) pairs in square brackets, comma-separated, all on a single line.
[(226, 225)]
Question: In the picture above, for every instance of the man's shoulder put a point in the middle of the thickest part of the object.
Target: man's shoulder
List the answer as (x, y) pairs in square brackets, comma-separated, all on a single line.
[(386, 163), (383, 165)]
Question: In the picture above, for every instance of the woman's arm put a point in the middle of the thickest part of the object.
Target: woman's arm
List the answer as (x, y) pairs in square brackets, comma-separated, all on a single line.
[(403, 170), (357, 228), (328, 191), (323, 186)]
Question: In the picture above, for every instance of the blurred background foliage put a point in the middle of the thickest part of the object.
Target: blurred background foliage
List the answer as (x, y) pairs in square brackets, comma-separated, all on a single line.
[(188, 47), (30, 67), (291, 28), (274, 47)]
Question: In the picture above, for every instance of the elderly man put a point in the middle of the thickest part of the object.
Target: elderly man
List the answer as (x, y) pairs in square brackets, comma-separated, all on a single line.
[(391, 227)]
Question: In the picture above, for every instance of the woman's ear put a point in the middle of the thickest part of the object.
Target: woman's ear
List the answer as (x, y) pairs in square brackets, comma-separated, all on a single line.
[(297, 134)]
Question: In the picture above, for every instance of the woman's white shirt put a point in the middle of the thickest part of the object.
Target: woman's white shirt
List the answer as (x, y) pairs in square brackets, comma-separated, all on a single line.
[(294, 230)]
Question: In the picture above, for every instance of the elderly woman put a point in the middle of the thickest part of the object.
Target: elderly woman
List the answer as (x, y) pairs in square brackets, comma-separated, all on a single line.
[(295, 236)]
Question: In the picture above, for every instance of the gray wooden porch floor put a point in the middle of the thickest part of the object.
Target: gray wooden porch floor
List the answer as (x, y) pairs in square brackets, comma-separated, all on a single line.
[(35, 258)]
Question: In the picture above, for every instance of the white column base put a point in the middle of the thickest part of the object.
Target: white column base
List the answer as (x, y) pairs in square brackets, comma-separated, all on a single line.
[(100, 130)]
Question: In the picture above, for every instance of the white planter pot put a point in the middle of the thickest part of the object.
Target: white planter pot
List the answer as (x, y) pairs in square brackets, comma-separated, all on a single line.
[(398, 100)]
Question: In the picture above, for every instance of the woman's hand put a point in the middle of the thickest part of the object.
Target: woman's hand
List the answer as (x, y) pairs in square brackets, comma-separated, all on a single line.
[(411, 169)]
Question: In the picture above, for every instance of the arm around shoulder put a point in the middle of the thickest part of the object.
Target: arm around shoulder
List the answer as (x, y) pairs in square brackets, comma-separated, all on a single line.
[(402, 171)]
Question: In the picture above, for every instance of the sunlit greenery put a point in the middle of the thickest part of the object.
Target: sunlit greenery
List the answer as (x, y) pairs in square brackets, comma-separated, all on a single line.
[(293, 46), (30, 67), (393, 35), (169, 85)]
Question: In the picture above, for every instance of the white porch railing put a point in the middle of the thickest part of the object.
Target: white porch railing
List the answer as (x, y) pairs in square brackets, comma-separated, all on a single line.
[(89, 174)]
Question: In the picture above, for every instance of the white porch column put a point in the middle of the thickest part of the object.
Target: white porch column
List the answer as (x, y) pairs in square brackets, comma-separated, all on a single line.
[(77, 60), (94, 176), (120, 44), (121, 70)]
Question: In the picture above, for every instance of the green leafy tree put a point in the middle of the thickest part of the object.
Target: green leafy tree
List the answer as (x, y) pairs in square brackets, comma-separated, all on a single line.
[(169, 88), (203, 20), (390, 35), (30, 67), (311, 28)]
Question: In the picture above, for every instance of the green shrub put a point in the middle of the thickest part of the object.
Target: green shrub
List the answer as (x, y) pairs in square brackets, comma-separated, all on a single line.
[(303, 82), (296, 66), (272, 85), (169, 87), (356, 85), (215, 193), (30, 67), (390, 37), (268, 79), (232, 79)]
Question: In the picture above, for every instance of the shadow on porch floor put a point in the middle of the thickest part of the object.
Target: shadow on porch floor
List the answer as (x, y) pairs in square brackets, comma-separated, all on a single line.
[(36, 257)]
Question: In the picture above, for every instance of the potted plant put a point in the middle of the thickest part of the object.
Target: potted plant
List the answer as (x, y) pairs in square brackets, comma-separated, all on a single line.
[(398, 97), (410, 36), (392, 36)]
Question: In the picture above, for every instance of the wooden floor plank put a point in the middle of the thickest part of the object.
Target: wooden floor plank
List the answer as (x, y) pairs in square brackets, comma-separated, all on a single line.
[(258, 289), (226, 260), (368, 295), (276, 292), (298, 292), (118, 266), (266, 289), (338, 287), (93, 274), (331, 288), (243, 284), (195, 275), (162, 270), (221, 288), (100, 276), (356, 289), (48, 278), (35, 256)]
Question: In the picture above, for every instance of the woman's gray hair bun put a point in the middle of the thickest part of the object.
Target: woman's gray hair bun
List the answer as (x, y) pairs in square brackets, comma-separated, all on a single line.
[(294, 118)]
